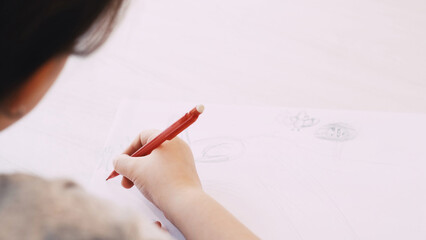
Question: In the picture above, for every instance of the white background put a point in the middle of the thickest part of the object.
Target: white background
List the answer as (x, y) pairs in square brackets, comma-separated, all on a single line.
[(355, 54)]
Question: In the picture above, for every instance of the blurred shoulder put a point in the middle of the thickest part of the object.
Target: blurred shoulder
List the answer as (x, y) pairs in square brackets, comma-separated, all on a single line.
[(62, 210)]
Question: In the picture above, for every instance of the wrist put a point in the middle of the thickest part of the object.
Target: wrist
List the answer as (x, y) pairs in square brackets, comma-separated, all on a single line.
[(182, 199)]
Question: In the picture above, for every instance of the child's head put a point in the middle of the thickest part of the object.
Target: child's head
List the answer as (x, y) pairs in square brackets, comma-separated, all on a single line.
[(36, 37)]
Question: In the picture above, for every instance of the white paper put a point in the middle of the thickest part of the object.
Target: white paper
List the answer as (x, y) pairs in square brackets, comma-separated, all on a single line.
[(293, 173)]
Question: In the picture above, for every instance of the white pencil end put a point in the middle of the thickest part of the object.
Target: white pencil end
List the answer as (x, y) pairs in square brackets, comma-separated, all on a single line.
[(200, 108)]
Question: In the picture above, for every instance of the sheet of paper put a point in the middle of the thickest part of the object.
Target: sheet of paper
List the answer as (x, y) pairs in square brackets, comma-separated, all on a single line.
[(293, 173)]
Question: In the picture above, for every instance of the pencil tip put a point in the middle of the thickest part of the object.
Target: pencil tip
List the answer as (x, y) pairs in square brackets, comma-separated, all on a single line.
[(110, 176)]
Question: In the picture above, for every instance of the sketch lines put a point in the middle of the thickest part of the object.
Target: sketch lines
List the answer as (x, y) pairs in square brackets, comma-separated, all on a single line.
[(299, 121), (339, 132), (219, 149)]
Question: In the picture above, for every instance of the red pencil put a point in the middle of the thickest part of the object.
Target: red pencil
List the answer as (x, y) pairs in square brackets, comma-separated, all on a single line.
[(167, 134)]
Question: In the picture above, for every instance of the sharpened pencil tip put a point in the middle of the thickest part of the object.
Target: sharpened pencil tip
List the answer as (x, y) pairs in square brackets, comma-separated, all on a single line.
[(110, 176)]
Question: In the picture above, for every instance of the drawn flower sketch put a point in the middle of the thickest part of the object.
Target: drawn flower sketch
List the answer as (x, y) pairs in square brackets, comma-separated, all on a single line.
[(299, 121)]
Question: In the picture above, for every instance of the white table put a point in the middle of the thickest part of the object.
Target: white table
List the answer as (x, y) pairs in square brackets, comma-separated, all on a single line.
[(356, 54)]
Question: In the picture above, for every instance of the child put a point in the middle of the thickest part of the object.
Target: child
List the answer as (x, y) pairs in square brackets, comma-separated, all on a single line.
[(36, 39)]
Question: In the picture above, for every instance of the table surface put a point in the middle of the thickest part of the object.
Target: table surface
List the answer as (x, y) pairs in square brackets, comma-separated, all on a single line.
[(355, 54)]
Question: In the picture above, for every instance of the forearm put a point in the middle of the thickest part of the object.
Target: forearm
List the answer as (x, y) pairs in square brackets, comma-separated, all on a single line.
[(198, 216)]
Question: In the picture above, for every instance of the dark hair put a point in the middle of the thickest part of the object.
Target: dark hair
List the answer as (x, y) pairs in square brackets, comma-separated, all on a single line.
[(34, 31)]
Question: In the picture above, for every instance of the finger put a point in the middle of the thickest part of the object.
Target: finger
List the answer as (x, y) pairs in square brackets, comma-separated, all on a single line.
[(126, 183), (123, 164), (143, 138)]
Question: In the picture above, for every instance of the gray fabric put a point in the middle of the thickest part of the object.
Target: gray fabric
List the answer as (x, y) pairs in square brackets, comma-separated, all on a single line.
[(38, 209)]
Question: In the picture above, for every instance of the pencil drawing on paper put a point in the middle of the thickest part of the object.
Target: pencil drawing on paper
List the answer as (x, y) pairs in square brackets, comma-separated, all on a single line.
[(338, 132), (299, 121), (112, 150), (217, 149), (105, 155)]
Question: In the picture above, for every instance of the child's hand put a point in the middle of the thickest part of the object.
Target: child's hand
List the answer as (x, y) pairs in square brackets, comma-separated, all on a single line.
[(168, 178), (167, 172)]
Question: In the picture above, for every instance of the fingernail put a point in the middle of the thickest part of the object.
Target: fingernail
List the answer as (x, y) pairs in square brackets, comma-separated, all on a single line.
[(158, 224)]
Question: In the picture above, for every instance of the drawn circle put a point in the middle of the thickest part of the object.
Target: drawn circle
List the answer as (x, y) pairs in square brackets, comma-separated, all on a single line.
[(217, 149)]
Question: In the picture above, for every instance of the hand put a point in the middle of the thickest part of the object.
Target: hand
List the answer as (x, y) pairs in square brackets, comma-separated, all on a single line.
[(168, 178), (167, 172)]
